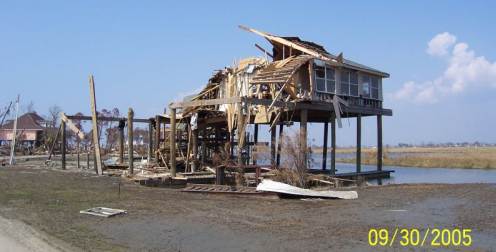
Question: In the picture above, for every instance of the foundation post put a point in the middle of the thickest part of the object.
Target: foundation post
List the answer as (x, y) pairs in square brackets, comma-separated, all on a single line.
[(157, 137), (87, 158), (122, 124), (64, 142), (172, 139), (78, 150), (194, 139), (130, 115), (279, 145), (273, 146), (333, 144), (150, 142), (255, 142), (239, 133), (303, 137), (324, 150), (379, 142), (359, 144)]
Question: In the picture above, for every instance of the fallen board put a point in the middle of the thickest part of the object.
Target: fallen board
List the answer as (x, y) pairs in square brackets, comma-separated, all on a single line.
[(103, 211), (203, 188), (272, 186)]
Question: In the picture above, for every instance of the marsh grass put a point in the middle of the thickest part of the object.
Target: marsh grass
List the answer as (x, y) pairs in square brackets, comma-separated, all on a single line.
[(449, 157)]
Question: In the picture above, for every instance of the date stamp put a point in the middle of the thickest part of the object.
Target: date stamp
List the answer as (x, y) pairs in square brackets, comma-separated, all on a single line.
[(414, 237)]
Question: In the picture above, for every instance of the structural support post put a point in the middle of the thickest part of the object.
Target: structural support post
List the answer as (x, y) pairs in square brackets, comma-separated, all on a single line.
[(172, 139), (279, 145), (255, 143), (157, 137), (239, 133), (273, 146), (150, 142), (379, 142), (303, 137), (333, 144), (359, 144), (96, 136), (324, 150), (78, 151), (87, 158), (121, 141), (194, 139), (64, 142), (130, 154)]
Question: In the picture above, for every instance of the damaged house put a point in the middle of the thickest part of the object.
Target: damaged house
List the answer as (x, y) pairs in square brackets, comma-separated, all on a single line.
[(298, 81)]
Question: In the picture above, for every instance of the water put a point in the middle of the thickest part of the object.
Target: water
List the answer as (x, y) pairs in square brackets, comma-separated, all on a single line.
[(420, 175)]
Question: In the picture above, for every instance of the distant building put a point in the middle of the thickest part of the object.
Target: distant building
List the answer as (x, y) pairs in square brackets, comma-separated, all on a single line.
[(30, 128)]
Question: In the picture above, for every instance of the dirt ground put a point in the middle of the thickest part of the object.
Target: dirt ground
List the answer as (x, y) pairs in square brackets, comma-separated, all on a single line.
[(161, 219)]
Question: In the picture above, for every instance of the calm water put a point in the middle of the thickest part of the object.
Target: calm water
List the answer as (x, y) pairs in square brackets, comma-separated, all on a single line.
[(420, 175)]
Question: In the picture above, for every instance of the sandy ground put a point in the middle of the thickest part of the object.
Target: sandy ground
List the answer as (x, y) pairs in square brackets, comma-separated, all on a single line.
[(161, 219)]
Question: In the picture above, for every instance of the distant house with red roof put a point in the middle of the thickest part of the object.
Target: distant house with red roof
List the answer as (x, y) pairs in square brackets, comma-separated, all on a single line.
[(30, 128)]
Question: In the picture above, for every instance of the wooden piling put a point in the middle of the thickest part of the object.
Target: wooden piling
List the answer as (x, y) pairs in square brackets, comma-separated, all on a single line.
[(96, 136), (273, 146), (303, 136), (172, 139), (324, 150), (64, 142), (157, 137), (333, 144), (78, 150), (130, 115), (194, 140), (121, 141), (359, 144), (150, 142), (379, 142), (279, 145), (255, 142)]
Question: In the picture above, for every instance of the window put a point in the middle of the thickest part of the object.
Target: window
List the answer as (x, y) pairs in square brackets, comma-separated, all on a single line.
[(365, 84), (349, 83), (325, 79), (320, 78), (374, 87), (345, 83)]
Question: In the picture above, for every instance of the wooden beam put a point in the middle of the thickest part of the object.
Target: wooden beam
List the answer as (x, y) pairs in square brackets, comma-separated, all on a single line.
[(122, 124), (279, 145), (333, 144), (96, 138), (194, 139), (104, 118), (210, 102), (255, 142), (157, 137), (359, 144), (379, 143), (64, 142), (273, 131), (324, 150), (72, 126), (303, 136), (263, 50), (130, 115), (172, 140), (150, 141)]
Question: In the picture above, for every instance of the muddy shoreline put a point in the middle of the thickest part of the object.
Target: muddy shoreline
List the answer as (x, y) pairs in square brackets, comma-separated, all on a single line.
[(161, 219)]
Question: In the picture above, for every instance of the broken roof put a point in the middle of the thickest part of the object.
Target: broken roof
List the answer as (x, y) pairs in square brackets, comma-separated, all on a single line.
[(315, 50)]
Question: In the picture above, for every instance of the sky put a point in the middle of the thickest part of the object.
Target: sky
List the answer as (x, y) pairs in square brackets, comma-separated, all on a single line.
[(145, 54)]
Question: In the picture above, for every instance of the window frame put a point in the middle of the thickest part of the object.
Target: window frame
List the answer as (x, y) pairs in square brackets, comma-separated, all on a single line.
[(326, 79)]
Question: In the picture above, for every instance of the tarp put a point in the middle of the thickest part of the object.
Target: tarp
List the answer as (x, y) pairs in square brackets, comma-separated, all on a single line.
[(272, 186)]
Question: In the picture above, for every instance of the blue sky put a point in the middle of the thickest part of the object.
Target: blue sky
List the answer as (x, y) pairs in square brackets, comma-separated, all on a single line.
[(144, 54)]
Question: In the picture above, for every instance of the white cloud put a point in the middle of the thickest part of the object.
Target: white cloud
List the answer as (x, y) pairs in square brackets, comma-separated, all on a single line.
[(464, 71), (440, 44)]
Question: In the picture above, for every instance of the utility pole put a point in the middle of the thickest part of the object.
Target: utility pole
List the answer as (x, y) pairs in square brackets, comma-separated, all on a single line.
[(14, 134)]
